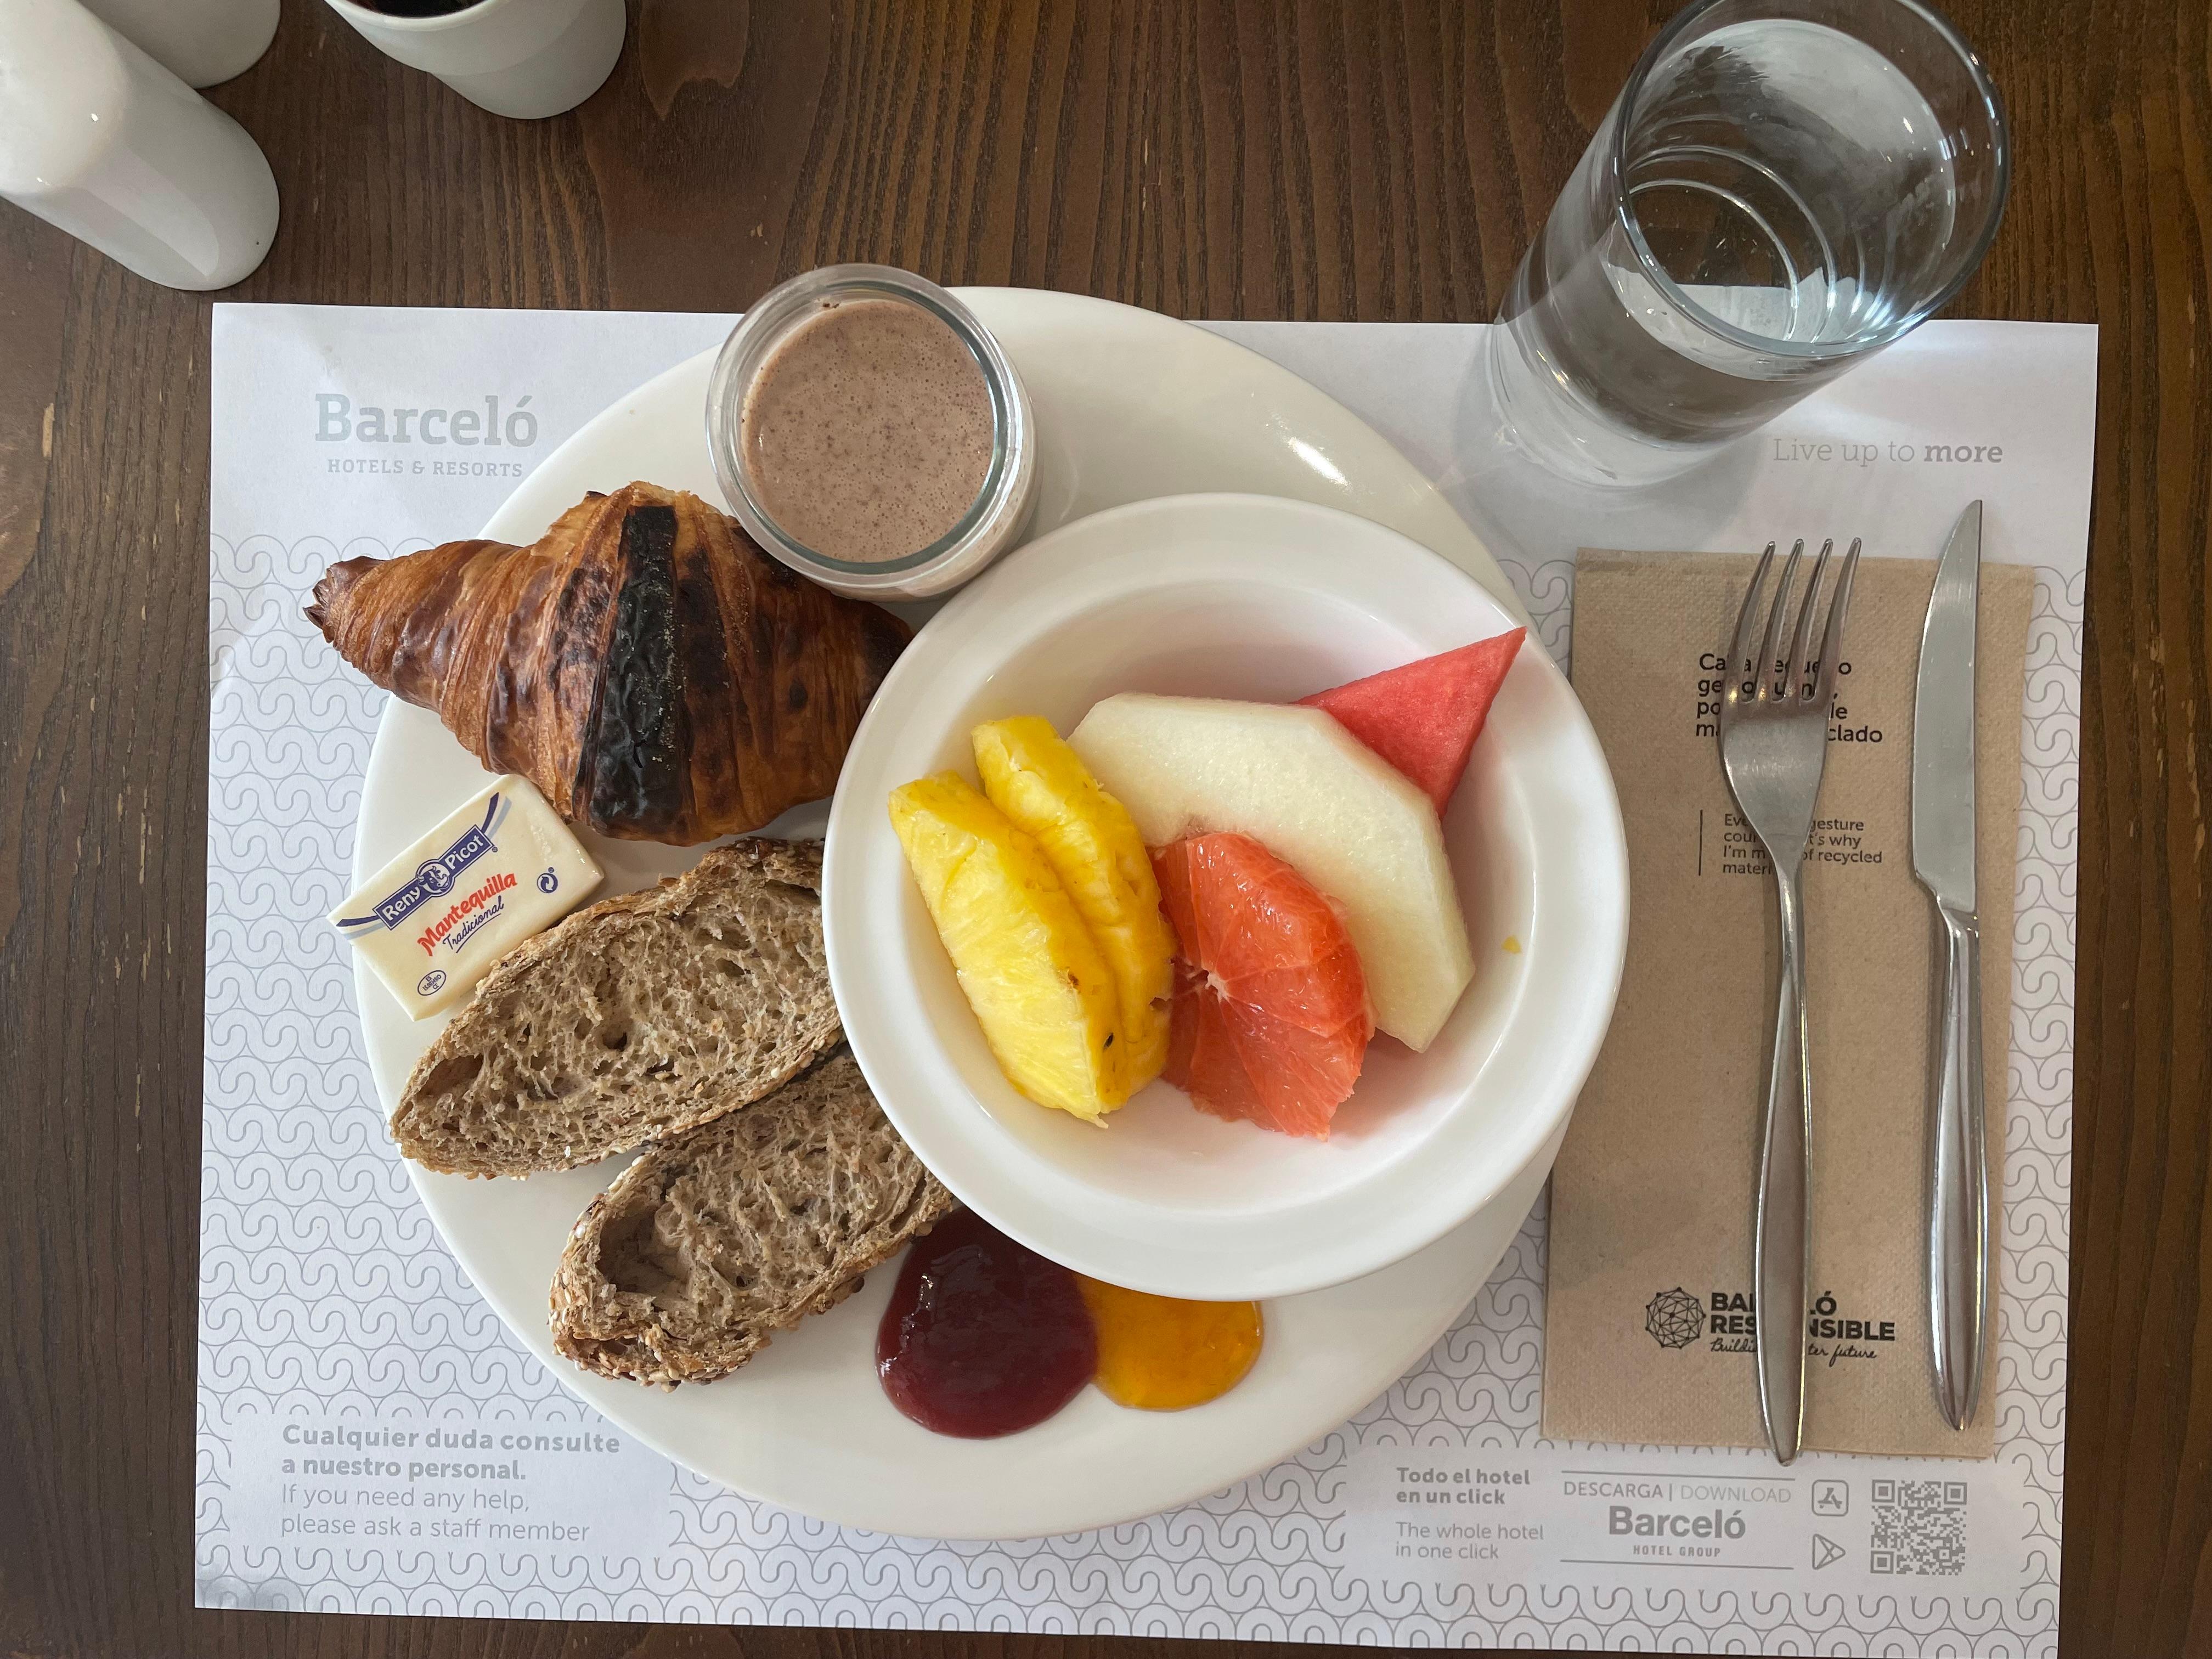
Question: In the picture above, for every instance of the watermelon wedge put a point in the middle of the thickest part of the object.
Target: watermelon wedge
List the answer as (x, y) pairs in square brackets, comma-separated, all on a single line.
[(1424, 717)]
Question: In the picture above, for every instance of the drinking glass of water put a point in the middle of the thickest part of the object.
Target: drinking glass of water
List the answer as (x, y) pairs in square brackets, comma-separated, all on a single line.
[(1783, 188)]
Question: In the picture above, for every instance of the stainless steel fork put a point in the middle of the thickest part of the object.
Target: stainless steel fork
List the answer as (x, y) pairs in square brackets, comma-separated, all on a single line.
[(1774, 747)]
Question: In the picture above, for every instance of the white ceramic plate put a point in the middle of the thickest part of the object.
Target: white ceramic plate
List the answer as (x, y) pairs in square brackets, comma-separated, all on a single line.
[(1258, 598), (1131, 406)]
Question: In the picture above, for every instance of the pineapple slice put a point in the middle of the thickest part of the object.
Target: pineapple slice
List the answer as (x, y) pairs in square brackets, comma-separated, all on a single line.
[(1039, 984), (1032, 777)]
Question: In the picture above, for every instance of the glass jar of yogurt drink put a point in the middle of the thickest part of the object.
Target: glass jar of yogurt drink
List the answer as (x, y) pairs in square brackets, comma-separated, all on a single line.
[(871, 433)]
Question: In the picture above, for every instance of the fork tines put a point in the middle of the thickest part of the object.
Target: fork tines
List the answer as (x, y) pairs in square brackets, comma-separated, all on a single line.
[(1772, 675)]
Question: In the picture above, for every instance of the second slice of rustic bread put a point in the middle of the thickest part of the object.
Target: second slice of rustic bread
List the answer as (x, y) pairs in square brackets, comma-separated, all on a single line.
[(715, 1241), (635, 1019)]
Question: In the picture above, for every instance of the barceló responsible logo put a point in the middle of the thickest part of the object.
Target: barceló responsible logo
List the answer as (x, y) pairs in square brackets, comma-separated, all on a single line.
[(1677, 1318), (1674, 1318)]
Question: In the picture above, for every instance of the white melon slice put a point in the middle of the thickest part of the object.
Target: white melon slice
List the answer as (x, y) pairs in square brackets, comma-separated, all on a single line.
[(1317, 797)]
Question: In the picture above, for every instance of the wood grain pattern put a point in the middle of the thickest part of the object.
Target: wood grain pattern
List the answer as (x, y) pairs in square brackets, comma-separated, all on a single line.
[(1224, 158)]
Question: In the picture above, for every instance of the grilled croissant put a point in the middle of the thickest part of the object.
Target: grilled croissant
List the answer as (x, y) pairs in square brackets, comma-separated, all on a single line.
[(652, 672)]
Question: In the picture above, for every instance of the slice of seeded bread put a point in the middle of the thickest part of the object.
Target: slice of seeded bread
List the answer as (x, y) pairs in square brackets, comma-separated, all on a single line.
[(712, 1242), (635, 1018)]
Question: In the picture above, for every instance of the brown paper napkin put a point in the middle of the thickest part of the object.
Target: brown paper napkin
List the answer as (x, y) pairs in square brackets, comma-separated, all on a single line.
[(1649, 1313)]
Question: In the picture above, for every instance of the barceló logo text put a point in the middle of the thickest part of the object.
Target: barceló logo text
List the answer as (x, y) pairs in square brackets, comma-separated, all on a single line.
[(492, 425)]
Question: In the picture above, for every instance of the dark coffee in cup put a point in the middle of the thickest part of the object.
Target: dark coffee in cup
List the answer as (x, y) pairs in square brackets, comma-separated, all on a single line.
[(416, 8)]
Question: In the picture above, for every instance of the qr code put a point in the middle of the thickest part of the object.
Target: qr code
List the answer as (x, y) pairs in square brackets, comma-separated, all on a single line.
[(1919, 1527)]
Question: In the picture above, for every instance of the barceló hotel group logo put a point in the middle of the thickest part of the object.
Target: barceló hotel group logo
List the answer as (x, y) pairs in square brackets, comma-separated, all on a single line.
[(370, 433)]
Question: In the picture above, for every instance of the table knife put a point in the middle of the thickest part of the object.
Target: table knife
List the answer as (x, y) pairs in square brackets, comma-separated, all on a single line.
[(1943, 862)]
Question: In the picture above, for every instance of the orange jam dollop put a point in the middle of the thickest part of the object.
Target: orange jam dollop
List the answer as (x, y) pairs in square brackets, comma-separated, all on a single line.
[(1156, 1353)]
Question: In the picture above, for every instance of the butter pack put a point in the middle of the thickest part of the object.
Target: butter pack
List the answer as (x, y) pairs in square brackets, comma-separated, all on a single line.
[(499, 868)]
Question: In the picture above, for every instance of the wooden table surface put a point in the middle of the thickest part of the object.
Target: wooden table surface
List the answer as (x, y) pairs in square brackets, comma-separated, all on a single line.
[(1209, 158)]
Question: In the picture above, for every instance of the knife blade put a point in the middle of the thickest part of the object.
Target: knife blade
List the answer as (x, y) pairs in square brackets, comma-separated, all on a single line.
[(1943, 723), (1944, 861)]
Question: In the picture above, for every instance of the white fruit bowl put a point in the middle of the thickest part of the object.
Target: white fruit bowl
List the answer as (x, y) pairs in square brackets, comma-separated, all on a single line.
[(1265, 599)]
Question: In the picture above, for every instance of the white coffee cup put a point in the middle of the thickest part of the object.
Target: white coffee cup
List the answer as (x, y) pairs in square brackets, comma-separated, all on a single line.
[(99, 139), (526, 59), (201, 42)]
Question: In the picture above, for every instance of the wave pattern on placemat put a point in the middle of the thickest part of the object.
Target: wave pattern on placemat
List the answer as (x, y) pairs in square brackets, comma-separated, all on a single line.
[(325, 1291)]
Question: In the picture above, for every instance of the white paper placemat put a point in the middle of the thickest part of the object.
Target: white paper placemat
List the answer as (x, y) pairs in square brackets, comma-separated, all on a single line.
[(344, 1354)]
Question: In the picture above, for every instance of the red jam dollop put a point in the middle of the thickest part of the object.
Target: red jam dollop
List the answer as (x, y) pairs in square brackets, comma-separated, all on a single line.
[(983, 1336)]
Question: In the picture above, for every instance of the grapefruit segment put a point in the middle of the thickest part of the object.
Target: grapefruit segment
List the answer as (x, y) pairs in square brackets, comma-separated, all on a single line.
[(1269, 1021), (1424, 718)]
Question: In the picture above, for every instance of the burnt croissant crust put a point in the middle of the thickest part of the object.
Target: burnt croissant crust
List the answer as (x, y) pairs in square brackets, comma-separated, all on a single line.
[(649, 668)]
